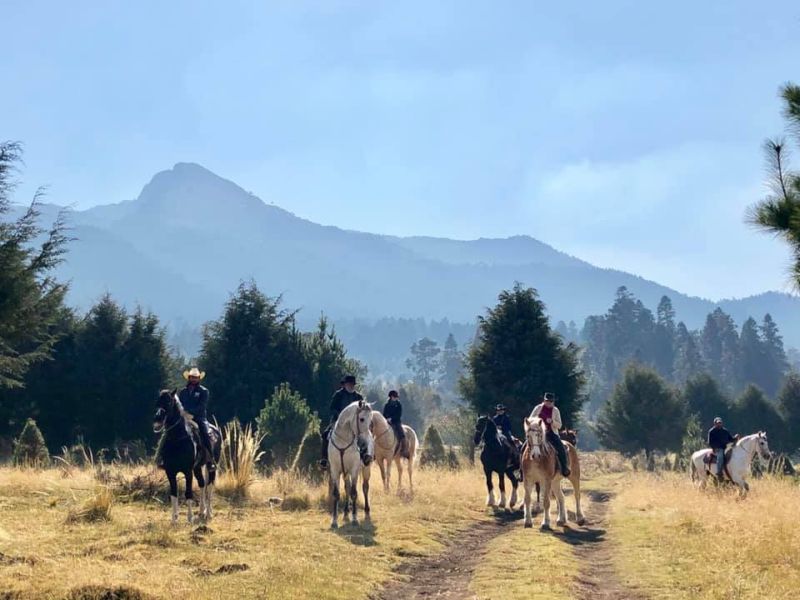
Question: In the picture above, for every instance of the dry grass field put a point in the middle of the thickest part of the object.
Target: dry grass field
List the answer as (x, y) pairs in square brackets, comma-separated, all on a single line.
[(73, 537)]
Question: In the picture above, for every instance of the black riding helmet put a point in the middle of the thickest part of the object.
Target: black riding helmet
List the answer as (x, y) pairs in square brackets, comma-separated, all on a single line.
[(500, 408)]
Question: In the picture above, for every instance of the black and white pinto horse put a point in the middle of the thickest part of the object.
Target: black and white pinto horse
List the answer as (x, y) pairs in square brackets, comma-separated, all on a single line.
[(182, 452), (496, 457)]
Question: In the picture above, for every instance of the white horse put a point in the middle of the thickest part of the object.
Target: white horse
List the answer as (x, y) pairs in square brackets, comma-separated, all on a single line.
[(741, 458), (386, 451), (350, 441)]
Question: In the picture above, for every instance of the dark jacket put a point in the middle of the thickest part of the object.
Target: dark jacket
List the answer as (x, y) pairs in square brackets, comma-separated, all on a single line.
[(195, 401), (503, 424), (719, 438), (341, 399), (393, 411)]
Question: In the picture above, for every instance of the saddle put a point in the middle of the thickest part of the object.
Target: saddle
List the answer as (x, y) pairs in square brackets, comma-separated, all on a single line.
[(710, 458)]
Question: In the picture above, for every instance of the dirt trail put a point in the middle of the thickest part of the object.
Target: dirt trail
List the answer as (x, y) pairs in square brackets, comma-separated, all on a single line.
[(448, 575), (598, 579)]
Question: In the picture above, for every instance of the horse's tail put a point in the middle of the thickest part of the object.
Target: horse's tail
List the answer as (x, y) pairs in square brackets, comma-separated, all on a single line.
[(413, 457), (693, 470)]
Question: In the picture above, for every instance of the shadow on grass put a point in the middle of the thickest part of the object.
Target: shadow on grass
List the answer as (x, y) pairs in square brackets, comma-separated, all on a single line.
[(362, 534), (578, 537)]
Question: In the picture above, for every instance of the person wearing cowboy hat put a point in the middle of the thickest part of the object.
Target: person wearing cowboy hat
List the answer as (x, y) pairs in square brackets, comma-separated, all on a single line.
[(342, 398), (502, 421), (194, 399), (548, 413)]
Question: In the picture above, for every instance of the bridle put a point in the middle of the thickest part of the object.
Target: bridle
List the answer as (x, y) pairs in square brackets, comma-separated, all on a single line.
[(172, 409), (355, 432)]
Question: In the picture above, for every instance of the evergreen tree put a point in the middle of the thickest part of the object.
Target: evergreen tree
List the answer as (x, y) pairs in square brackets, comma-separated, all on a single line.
[(101, 373), (777, 363), (433, 450), (694, 439), (642, 414), (720, 347), (779, 212), (415, 408), (30, 449), (664, 339), (752, 412), (704, 398), (516, 357), (452, 364), (328, 363), (283, 422), (30, 298), (424, 361), (688, 360), (753, 356), (249, 351), (789, 407)]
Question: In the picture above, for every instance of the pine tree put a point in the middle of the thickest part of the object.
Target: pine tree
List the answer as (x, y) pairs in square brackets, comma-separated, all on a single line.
[(250, 350), (433, 450), (516, 357), (720, 348), (688, 360), (664, 339), (693, 440), (30, 449), (283, 422), (452, 364), (705, 399), (642, 414), (424, 361), (31, 299), (752, 412), (753, 356), (789, 407), (777, 363)]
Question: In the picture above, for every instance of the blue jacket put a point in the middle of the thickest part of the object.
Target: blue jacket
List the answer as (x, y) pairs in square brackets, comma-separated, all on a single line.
[(503, 424)]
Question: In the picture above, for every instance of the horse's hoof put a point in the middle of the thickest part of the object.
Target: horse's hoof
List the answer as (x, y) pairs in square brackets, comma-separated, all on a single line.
[(528, 525), (334, 526), (545, 527), (561, 523), (581, 521)]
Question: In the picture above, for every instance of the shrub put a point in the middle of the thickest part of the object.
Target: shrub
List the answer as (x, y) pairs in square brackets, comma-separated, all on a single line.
[(452, 459), (282, 424), (305, 461), (30, 449), (96, 508), (240, 455), (433, 452)]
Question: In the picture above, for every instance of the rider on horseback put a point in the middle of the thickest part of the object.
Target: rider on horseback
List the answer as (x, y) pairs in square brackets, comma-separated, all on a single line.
[(548, 412), (194, 399), (718, 440), (393, 413), (342, 398), (503, 423)]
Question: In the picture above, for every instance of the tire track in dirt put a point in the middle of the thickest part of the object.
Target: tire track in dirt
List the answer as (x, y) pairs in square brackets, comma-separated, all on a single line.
[(597, 578), (448, 574)]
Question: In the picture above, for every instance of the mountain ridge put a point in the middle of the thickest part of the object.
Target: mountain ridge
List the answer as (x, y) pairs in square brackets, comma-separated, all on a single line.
[(206, 234)]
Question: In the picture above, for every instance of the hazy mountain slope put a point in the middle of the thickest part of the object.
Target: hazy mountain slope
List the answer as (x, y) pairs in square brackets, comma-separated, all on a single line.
[(191, 236)]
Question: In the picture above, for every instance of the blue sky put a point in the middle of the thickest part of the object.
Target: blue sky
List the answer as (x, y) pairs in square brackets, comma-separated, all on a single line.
[(625, 134)]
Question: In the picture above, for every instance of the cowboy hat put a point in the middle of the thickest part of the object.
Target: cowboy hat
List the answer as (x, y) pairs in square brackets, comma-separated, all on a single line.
[(549, 397), (194, 372)]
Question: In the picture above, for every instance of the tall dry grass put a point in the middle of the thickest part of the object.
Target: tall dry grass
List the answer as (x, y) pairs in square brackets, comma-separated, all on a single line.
[(241, 451), (675, 541)]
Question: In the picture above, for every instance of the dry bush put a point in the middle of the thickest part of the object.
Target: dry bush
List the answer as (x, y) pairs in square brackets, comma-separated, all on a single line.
[(96, 508), (97, 592), (241, 451)]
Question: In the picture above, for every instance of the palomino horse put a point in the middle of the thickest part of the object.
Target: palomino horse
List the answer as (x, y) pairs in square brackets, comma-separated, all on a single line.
[(539, 466), (387, 451), (496, 457), (182, 452), (350, 442), (739, 465)]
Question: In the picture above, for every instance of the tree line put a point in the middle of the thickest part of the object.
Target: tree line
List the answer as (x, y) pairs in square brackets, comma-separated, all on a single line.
[(630, 332)]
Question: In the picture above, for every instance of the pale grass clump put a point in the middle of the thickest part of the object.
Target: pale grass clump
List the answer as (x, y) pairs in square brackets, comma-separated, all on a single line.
[(603, 463), (96, 508), (685, 543), (241, 451)]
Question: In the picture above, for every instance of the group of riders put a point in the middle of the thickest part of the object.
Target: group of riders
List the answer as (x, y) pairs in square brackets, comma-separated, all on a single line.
[(194, 400)]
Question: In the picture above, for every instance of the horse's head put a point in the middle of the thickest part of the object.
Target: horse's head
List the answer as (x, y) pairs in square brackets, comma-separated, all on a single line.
[(535, 435), (570, 435), (763, 445), (364, 437), (164, 406), (480, 429)]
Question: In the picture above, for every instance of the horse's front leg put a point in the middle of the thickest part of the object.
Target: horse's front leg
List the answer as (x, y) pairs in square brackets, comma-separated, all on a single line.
[(576, 489), (201, 484), (399, 465), (527, 484), (502, 485), (333, 492), (385, 473), (410, 473), (546, 504), (489, 487), (562, 504), (189, 496), (538, 507), (353, 496), (365, 475), (173, 495)]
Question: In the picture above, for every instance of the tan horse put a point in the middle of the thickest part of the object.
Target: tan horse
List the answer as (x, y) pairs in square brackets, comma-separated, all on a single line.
[(539, 465), (385, 451)]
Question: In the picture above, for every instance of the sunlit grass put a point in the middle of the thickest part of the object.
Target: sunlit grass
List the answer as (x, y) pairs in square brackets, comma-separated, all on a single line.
[(674, 541)]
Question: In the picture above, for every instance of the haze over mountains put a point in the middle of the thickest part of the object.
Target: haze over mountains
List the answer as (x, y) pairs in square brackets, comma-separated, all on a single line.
[(191, 236)]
